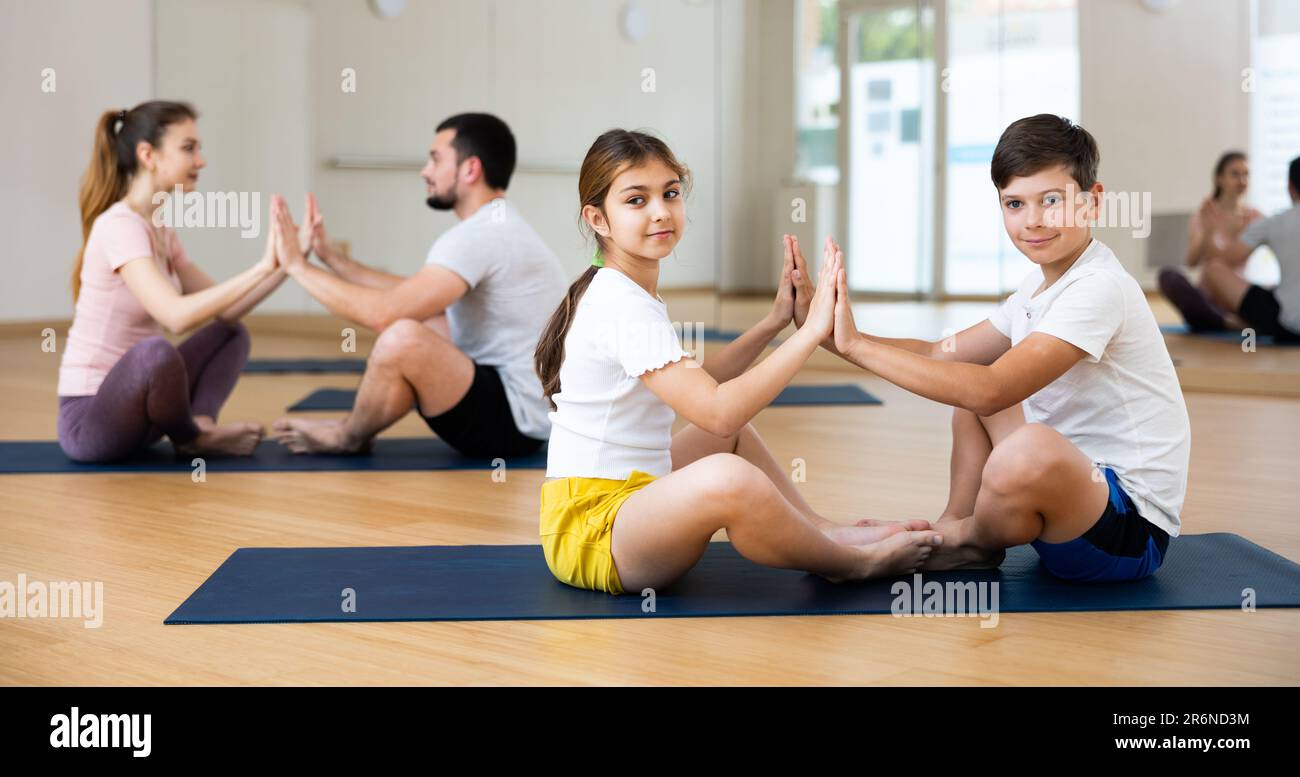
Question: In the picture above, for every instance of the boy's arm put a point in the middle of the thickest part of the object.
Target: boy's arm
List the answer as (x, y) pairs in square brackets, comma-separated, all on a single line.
[(979, 344), (984, 390)]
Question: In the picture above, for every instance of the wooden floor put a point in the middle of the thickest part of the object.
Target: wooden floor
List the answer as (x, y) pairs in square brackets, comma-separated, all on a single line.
[(153, 538)]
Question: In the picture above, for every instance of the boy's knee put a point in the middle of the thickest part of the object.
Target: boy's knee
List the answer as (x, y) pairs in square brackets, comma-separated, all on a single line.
[(1025, 460)]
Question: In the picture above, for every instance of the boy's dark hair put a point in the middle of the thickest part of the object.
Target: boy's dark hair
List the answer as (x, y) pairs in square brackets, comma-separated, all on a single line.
[(1036, 143), (488, 138), (1293, 174)]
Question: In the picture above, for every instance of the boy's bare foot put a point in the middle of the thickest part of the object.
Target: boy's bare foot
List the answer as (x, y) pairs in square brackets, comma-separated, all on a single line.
[(237, 439), (898, 554), (958, 551), (947, 520), (306, 436)]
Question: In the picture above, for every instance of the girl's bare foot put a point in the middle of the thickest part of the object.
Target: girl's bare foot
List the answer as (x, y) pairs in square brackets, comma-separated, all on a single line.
[(306, 436), (898, 554), (237, 439), (863, 535)]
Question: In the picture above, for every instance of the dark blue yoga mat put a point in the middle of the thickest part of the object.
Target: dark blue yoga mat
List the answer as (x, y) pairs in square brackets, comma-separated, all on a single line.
[(511, 582), (276, 366), (389, 454), (839, 394), (1228, 336)]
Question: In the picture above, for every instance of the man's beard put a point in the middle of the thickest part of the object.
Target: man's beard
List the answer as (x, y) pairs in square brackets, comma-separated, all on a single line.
[(441, 203)]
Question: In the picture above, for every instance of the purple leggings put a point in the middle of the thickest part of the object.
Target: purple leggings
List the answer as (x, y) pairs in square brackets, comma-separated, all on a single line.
[(154, 389)]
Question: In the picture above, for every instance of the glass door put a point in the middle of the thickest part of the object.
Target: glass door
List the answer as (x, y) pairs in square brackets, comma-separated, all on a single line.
[(887, 142)]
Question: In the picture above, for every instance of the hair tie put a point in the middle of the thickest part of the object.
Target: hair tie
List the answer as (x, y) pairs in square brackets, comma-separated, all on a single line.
[(598, 259)]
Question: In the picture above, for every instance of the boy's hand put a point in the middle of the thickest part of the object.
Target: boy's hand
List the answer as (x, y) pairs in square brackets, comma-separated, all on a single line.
[(821, 311), (846, 330)]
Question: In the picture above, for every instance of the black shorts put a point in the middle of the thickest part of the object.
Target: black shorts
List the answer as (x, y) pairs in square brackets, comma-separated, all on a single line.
[(481, 425), (1261, 310)]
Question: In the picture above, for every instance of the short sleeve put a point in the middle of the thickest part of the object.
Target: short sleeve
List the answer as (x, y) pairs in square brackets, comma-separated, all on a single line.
[(1001, 318), (1256, 234), (1086, 314), (123, 239), (642, 339), (458, 251)]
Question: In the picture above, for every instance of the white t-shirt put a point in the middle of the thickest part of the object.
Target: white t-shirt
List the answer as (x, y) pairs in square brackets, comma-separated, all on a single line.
[(515, 283), (606, 422), (1121, 404), (1281, 233)]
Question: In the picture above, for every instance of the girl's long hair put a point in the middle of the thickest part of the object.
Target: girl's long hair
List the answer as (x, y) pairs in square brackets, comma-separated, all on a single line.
[(113, 161), (611, 154)]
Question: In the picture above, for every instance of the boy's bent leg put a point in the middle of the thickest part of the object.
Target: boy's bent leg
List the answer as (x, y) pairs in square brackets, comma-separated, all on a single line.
[(973, 439), (1036, 486)]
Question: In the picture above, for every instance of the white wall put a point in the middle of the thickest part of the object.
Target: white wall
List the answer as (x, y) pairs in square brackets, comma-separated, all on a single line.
[(244, 65), (1162, 94), (100, 53), (558, 72)]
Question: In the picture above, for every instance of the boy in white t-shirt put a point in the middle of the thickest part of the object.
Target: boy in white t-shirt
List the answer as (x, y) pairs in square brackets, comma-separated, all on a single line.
[(1070, 431)]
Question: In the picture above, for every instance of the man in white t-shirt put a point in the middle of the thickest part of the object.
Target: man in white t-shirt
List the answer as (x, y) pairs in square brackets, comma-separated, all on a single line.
[(457, 338), (1070, 431), (1271, 312)]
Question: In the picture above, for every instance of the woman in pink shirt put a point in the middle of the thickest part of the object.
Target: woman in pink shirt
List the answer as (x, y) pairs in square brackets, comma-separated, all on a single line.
[(122, 385), (1214, 227)]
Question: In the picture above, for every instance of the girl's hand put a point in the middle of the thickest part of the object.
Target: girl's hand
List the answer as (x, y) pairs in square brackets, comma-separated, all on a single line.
[(821, 310), (269, 262), (803, 287), (286, 243), (783, 307)]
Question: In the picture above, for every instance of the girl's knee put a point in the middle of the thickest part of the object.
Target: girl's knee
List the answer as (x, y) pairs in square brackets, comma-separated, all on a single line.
[(156, 351), (730, 480)]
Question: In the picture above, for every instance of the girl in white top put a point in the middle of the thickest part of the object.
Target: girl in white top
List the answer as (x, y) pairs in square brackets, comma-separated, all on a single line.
[(628, 505)]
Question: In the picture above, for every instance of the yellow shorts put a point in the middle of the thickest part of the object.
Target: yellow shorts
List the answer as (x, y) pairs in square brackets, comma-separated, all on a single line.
[(577, 523)]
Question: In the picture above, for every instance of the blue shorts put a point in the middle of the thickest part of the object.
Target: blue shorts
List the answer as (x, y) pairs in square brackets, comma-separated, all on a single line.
[(1122, 545)]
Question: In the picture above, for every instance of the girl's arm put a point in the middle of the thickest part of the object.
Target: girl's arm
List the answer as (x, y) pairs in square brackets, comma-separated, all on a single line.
[(722, 409), (737, 355), (179, 312), (193, 279)]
